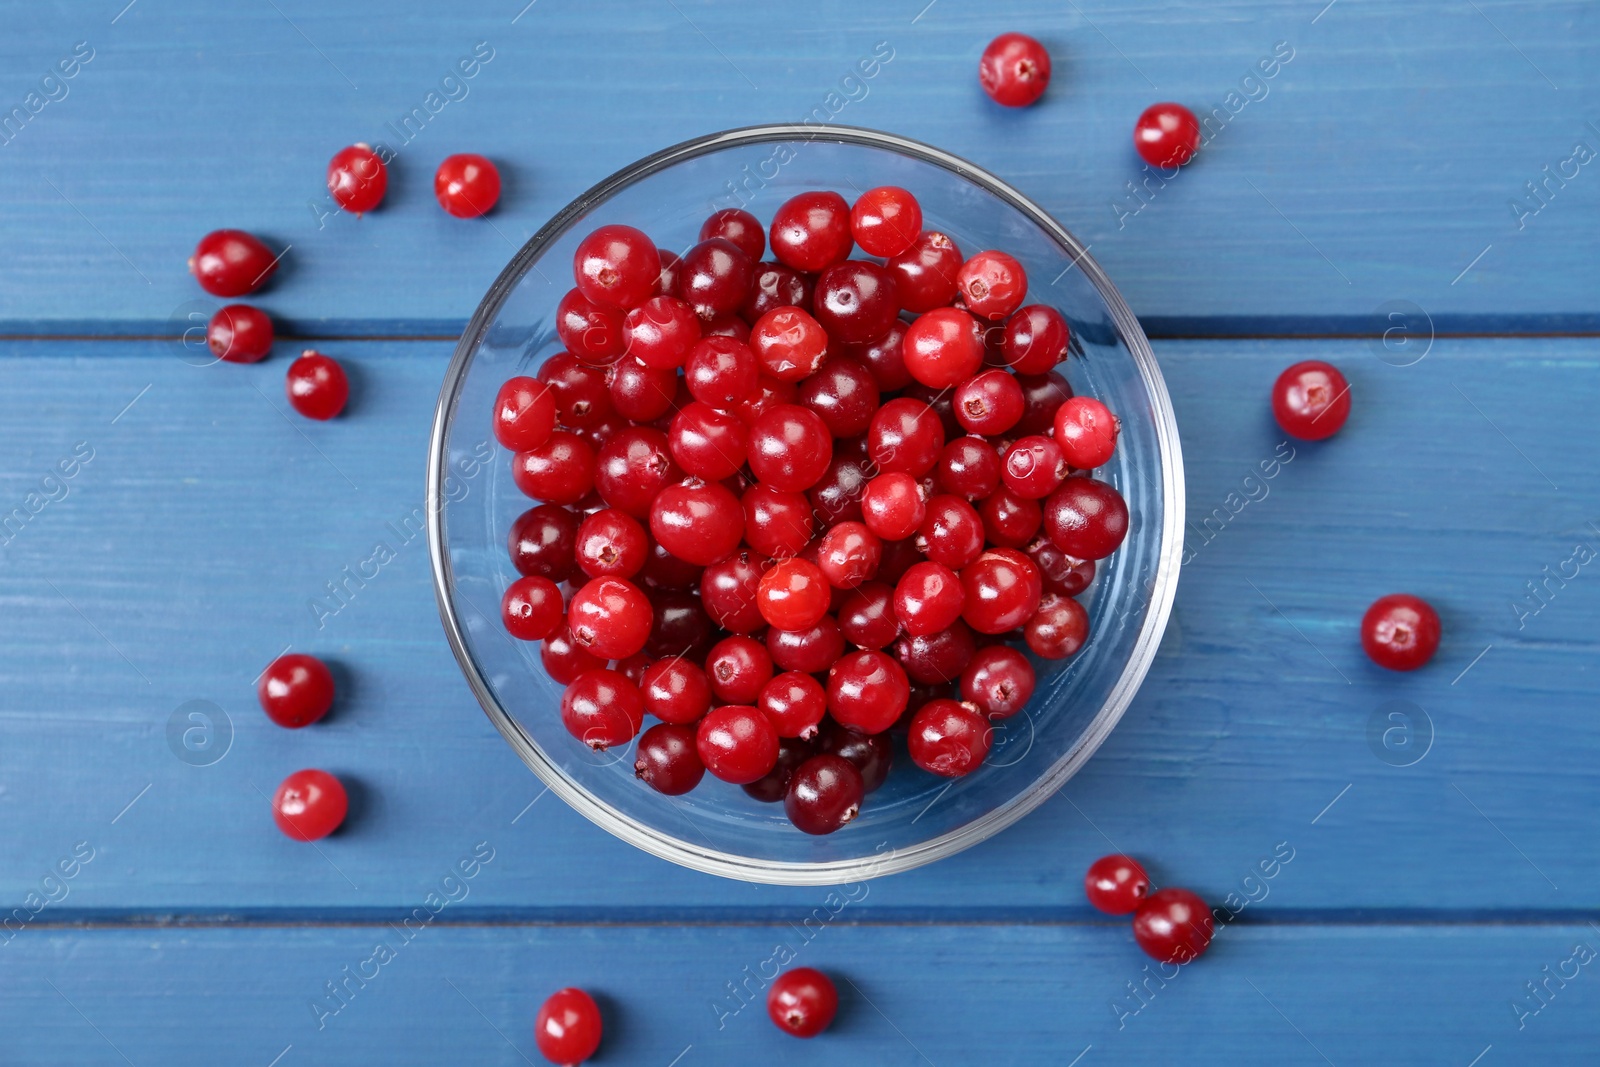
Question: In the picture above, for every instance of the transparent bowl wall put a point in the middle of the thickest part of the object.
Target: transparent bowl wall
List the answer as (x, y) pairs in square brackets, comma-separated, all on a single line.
[(916, 817)]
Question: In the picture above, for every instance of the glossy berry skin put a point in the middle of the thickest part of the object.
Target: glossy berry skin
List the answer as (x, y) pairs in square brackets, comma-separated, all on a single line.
[(1173, 925), (737, 744), (610, 544), (1009, 521), (714, 277), (531, 608), (675, 690), (541, 541), (999, 681), (739, 227), (721, 371), (856, 301), (1086, 432), (989, 403), (867, 618), (789, 448), (1166, 135), (524, 413), (316, 386), (231, 263), (849, 554), (789, 343), (1086, 518), (951, 534), (811, 231), (776, 523), (668, 761), (948, 738), (927, 599), (357, 178), (793, 594), (581, 397), (867, 691), (1014, 70), (467, 185), (795, 703), (905, 435), (802, 1002), (639, 393), (771, 787), (295, 690), (610, 618), (1311, 400), (992, 285), (837, 495), (824, 793), (943, 347), (568, 1028), (1002, 590), (707, 443), (1116, 884), (560, 471), (738, 669), (564, 661), (925, 273), (1400, 632), (632, 468), (969, 467), (1042, 397), (1058, 628), (309, 805), (884, 358), (728, 592), (939, 657), (1033, 467), (776, 286), (843, 393), (617, 266), (892, 506), (602, 708), (239, 333), (812, 651), (886, 221), (1061, 573), (661, 331), (873, 754), (699, 522), (594, 333), (1036, 338)]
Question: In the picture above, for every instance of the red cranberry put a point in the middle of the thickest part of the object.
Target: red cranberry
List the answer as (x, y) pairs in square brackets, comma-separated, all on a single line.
[(1311, 400), (568, 1028), (768, 394), (317, 388), (789, 448), (1058, 628), (776, 523), (239, 333), (1036, 339), (928, 599), (1002, 589), (1033, 467), (844, 395), (610, 618), (661, 331), (721, 371), (564, 660), (824, 793), (714, 277), (581, 397), (886, 221), (802, 1002), (937, 658), (1400, 632), (1116, 884), (795, 703), (856, 301), (867, 617), (1009, 521), (740, 227), (1173, 925), (728, 591), (892, 506), (1166, 135), (633, 467), (1014, 70), (357, 178), (707, 443), (989, 403), (948, 738), (524, 413), (812, 650), (1042, 397), (602, 708), (542, 541), (905, 435), (952, 532), (942, 347), (793, 594), (925, 273), (867, 691), (811, 231), (560, 471), (681, 626), (309, 805), (231, 263), (728, 325), (1061, 573), (1086, 431), (992, 285), (1086, 518), (639, 393), (885, 358), (611, 544), (738, 744), (738, 668), (668, 761), (467, 185), (699, 522), (296, 690), (873, 754), (773, 786), (941, 400), (837, 495), (998, 681), (675, 690), (532, 609), (633, 667), (595, 333), (776, 286), (849, 554), (617, 266), (789, 344), (969, 467), (663, 570)]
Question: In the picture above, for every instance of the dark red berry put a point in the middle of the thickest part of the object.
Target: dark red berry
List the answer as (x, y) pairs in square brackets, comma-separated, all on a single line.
[(873, 754), (532, 609), (1062, 574), (357, 178), (885, 221), (560, 471), (844, 395), (1009, 521), (824, 793), (1086, 518), (239, 333), (1036, 338), (524, 413), (811, 231), (310, 805), (296, 690), (776, 286), (1014, 70), (802, 1002), (1173, 925), (542, 541), (1311, 400), (567, 1030), (581, 397), (1002, 590), (837, 495), (1166, 135), (773, 786), (738, 226), (925, 273), (999, 681), (951, 533), (884, 358), (969, 467), (633, 467), (813, 650), (948, 738), (1116, 884), (795, 703), (737, 744), (602, 708), (316, 386), (1058, 628), (714, 277), (937, 658), (1042, 397), (467, 185), (728, 592), (905, 435), (668, 761), (1400, 632), (867, 617), (856, 301), (231, 263)]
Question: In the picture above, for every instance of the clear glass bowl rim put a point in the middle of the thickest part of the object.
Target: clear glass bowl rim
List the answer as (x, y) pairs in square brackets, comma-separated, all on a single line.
[(731, 865)]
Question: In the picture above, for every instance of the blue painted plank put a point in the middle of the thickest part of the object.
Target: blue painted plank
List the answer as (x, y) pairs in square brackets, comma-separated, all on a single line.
[(182, 556), (992, 994), (1380, 163)]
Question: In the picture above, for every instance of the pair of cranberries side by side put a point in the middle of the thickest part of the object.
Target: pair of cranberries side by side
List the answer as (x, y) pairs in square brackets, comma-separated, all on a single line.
[(466, 185), (1171, 925)]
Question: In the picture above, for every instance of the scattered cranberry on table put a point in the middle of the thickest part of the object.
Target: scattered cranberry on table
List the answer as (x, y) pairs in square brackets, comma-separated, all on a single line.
[(467, 185), (295, 690), (1400, 632), (1116, 884), (310, 805), (1014, 70), (239, 333), (802, 1002), (1311, 400), (357, 178), (568, 1027), (316, 386), (1173, 925), (232, 263), (1166, 135)]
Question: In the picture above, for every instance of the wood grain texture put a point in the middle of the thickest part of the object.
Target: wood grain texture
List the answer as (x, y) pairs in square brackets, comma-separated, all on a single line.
[(1377, 165)]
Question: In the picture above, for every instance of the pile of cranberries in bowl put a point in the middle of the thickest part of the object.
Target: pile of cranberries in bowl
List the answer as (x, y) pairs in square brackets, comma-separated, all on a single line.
[(792, 507)]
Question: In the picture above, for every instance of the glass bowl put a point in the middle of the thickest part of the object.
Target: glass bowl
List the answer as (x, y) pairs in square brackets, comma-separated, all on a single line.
[(915, 818)]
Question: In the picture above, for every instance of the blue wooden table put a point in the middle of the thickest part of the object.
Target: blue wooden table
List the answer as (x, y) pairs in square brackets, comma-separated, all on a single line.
[(1412, 195)]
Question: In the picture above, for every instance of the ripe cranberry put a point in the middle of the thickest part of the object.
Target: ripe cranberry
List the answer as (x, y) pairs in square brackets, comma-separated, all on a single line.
[(1086, 431), (611, 544), (661, 331), (1087, 519), (789, 448), (776, 524), (1061, 573), (837, 495), (1014, 70), (1311, 400), (811, 231), (581, 397), (925, 273), (1058, 629), (937, 658), (793, 594), (675, 690), (886, 221), (927, 599), (849, 554), (740, 227), (969, 467), (768, 393), (668, 761), (699, 522), (316, 386), (602, 708), (948, 738), (634, 465), (905, 435), (999, 681), (595, 333), (885, 358), (617, 266), (738, 668), (357, 178), (309, 805), (802, 1002), (951, 533), (728, 591), (633, 667), (231, 263), (542, 541), (844, 395), (1002, 590), (789, 344), (1042, 397), (737, 744), (892, 506), (714, 277), (989, 403), (776, 286), (1116, 884), (564, 660), (560, 471), (824, 793), (856, 301), (1009, 521), (867, 617), (532, 609), (524, 413), (795, 703), (239, 333), (1400, 632), (811, 651), (721, 371), (867, 691), (873, 754), (639, 393), (1033, 467), (568, 1028), (467, 185), (1036, 338), (773, 786), (1173, 925), (296, 690), (943, 347), (1166, 135), (992, 284), (663, 570), (610, 618)]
